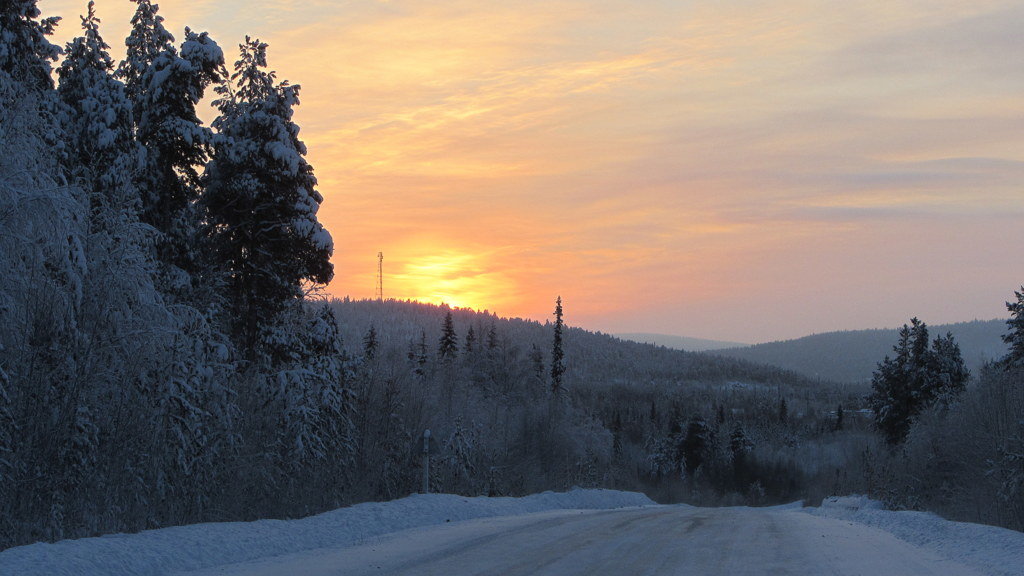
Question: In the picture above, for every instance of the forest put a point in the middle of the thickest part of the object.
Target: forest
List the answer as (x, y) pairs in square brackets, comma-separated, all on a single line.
[(167, 355)]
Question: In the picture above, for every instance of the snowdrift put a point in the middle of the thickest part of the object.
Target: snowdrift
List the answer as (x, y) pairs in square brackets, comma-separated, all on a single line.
[(169, 550), (991, 549)]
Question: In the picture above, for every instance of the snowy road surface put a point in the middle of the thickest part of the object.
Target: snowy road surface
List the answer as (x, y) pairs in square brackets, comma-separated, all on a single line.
[(653, 540)]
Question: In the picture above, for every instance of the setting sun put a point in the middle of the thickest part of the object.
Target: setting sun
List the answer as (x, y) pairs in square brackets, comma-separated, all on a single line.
[(445, 276)]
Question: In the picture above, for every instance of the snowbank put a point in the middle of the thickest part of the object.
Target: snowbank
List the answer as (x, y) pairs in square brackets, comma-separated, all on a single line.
[(170, 550), (987, 548)]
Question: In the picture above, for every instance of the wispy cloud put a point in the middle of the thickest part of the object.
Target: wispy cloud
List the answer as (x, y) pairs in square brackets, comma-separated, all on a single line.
[(657, 162)]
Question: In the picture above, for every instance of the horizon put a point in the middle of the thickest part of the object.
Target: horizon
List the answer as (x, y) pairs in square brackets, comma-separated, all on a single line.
[(624, 335), (754, 172)]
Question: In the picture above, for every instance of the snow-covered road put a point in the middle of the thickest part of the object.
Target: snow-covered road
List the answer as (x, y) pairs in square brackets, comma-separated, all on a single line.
[(653, 540)]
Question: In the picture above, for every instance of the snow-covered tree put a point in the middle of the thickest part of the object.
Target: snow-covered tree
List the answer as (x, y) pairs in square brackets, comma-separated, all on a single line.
[(370, 344), (104, 154), (557, 354), (176, 145), (1014, 338), (25, 51), (448, 345), (147, 40), (42, 270), (260, 201), (920, 374)]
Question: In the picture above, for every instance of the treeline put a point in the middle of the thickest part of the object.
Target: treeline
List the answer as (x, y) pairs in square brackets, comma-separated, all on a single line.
[(679, 426), (953, 448), (159, 360)]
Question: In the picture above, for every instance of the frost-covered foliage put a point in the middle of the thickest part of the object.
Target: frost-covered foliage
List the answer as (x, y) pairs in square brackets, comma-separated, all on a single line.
[(260, 201), (147, 40), (1014, 337), (176, 146), (622, 421), (119, 402), (25, 51), (916, 378)]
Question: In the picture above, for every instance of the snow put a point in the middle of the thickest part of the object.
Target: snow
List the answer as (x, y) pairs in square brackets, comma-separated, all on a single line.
[(993, 550), (559, 533), (185, 548)]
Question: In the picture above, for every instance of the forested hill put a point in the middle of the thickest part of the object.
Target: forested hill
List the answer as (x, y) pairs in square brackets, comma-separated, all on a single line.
[(851, 356), (590, 357), (680, 342)]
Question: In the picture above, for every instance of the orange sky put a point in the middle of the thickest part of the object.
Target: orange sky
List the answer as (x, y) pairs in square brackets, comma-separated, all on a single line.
[(739, 170)]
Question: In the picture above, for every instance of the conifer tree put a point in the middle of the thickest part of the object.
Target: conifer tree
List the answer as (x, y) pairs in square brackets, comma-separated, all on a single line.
[(695, 444), (370, 344), (557, 355), (492, 336), (25, 51), (470, 344), (1014, 338), (261, 200), (915, 379), (146, 41), (176, 145), (448, 346), (104, 152)]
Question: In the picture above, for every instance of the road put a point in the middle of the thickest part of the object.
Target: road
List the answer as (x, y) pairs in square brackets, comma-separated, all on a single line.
[(652, 541)]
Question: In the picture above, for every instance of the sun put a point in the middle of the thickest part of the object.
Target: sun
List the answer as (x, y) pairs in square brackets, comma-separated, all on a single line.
[(449, 276)]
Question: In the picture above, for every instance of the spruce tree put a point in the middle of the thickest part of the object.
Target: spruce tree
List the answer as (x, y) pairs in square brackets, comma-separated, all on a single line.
[(25, 51), (448, 345), (176, 145), (146, 41), (695, 444), (1014, 338), (99, 125), (261, 200), (557, 355), (370, 344), (919, 375)]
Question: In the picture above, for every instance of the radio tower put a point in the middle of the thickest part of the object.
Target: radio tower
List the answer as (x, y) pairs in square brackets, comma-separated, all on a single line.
[(380, 277)]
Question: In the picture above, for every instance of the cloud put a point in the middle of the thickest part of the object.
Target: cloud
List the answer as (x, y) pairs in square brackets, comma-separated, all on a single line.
[(656, 162)]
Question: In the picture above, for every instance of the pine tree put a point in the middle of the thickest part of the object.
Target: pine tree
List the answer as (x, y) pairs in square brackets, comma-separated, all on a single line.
[(448, 345), (1014, 338), (557, 355), (260, 200)]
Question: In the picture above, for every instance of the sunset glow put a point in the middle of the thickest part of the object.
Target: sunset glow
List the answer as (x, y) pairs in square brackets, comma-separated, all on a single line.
[(743, 171)]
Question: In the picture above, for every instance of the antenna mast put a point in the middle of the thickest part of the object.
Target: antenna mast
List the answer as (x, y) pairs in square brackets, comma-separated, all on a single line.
[(380, 277)]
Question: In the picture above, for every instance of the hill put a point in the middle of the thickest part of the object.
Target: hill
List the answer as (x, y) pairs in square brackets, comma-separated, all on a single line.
[(592, 358), (851, 356), (680, 342)]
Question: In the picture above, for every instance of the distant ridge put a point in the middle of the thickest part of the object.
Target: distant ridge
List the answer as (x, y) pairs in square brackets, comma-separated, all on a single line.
[(679, 342), (852, 356)]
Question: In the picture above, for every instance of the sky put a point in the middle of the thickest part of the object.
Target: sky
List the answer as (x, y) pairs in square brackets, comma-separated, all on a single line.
[(745, 171)]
